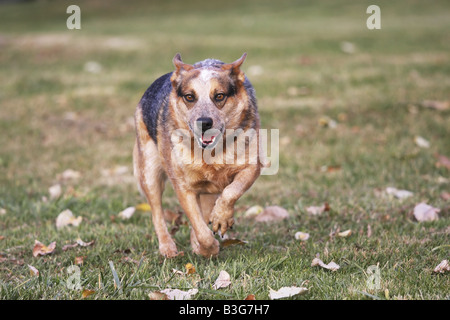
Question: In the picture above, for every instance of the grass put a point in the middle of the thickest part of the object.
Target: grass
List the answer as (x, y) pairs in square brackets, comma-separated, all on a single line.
[(55, 115)]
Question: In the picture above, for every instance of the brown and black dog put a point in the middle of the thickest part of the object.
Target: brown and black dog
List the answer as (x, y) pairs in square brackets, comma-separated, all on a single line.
[(198, 126)]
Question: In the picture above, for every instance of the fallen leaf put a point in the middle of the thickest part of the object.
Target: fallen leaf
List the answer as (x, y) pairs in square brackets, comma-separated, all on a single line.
[(442, 267), (286, 292), (176, 294), (232, 242), (143, 207), (327, 122), (425, 212), (85, 244), (442, 161), (222, 281), (181, 273), (190, 269), (436, 105), (41, 250), (400, 194), (345, 234), (250, 297), (421, 142), (173, 217), (55, 191), (70, 174), (253, 211), (331, 266), (127, 213), (78, 242), (302, 236), (79, 260), (86, 293), (272, 213), (157, 295), (116, 171), (445, 195), (33, 270), (348, 47), (66, 218), (316, 210), (369, 231)]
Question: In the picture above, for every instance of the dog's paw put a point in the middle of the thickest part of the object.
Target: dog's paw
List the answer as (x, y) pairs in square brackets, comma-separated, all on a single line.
[(221, 218), (168, 250), (206, 251)]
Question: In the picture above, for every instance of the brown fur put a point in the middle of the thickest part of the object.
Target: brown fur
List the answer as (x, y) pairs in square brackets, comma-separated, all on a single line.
[(206, 192)]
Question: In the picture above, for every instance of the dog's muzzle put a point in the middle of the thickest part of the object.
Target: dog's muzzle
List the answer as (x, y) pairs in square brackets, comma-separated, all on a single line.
[(204, 133)]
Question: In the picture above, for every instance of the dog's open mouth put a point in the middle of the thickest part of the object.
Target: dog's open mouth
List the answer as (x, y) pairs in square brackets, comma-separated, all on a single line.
[(208, 139)]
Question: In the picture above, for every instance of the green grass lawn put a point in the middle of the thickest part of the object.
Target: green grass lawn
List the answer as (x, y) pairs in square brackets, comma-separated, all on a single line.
[(309, 62)]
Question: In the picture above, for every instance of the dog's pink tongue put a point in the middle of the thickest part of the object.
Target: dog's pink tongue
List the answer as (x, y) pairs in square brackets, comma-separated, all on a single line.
[(205, 140)]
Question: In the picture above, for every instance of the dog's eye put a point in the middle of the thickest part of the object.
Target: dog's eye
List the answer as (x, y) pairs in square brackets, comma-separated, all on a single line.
[(189, 98), (219, 97)]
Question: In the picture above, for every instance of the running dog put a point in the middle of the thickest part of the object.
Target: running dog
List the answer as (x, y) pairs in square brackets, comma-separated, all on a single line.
[(198, 126)]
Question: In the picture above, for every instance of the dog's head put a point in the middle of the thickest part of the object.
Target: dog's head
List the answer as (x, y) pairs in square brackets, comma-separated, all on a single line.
[(208, 97)]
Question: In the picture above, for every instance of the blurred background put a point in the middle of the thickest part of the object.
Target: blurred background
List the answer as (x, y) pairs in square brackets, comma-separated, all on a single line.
[(358, 111), (348, 100)]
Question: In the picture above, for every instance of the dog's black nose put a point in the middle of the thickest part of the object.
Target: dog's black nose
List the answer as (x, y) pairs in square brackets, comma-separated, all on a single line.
[(204, 123)]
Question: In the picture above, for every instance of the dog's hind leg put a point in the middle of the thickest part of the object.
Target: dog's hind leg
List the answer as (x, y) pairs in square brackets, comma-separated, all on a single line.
[(150, 175), (151, 180)]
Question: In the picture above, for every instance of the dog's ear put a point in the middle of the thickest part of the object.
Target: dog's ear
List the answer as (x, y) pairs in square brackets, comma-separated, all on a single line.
[(235, 68), (180, 68), (180, 65)]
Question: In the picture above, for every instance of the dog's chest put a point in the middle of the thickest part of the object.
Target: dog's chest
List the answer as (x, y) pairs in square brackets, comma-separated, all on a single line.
[(209, 178)]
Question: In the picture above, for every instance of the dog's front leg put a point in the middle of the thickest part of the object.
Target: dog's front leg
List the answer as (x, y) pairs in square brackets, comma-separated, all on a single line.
[(222, 214), (207, 245)]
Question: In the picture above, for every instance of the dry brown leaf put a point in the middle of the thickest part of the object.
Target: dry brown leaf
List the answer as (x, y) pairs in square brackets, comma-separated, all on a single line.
[(85, 244), (66, 218), (436, 104), (40, 249), (318, 210), (78, 242), (425, 212), (232, 242), (86, 293), (70, 174), (286, 292), (80, 260), (222, 281), (157, 295), (190, 269), (330, 266), (272, 214), (445, 195), (442, 161), (442, 267), (33, 270), (176, 294)]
